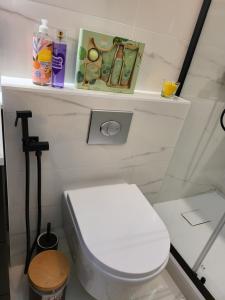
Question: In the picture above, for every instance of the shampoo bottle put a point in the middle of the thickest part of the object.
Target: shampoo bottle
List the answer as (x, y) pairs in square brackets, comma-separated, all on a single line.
[(42, 55), (59, 61)]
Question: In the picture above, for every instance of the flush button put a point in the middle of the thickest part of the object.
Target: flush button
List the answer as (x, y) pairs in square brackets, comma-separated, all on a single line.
[(110, 128)]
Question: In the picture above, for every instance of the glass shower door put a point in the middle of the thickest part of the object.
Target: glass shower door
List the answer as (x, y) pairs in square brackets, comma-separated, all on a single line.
[(210, 243), (211, 266)]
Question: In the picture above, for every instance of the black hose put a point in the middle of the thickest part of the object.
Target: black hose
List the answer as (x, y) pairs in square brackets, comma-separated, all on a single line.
[(38, 154), (221, 120), (27, 209)]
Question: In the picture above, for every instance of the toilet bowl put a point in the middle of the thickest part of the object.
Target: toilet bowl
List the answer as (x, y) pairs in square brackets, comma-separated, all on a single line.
[(117, 240)]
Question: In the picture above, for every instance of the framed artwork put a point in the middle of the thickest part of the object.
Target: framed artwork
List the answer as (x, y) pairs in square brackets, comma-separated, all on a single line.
[(107, 63)]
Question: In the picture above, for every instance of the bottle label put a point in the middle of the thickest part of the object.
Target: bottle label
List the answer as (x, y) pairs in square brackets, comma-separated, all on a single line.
[(42, 60), (58, 64)]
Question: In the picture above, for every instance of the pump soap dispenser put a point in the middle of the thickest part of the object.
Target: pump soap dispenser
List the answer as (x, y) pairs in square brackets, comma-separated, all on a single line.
[(42, 55)]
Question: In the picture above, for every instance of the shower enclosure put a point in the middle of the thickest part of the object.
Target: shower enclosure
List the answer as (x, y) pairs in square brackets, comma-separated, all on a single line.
[(192, 199)]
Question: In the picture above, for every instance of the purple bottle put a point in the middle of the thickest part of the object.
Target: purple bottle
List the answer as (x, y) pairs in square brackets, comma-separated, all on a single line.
[(59, 61)]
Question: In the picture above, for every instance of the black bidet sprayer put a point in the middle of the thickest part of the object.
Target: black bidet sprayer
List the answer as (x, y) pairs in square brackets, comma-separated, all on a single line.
[(31, 144)]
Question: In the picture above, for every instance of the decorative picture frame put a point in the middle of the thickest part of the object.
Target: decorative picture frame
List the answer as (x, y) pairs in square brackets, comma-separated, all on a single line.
[(107, 63)]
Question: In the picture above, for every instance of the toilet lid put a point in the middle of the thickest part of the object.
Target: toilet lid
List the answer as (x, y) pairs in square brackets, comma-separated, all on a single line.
[(120, 229)]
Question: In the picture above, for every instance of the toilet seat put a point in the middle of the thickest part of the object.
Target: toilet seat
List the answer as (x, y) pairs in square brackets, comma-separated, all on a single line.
[(120, 230)]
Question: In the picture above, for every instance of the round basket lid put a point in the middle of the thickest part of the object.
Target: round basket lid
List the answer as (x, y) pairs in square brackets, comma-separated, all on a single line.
[(48, 270)]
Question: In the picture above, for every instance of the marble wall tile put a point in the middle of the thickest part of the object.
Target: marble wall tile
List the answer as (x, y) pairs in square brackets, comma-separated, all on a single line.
[(214, 25), (54, 182), (25, 16), (18, 245), (63, 120), (120, 11), (55, 114), (164, 52), (183, 175), (211, 164), (154, 22), (169, 17), (50, 213), (192, 131), (209, 147), (205, 79), (149, 176), (198, 162), (175, 188)]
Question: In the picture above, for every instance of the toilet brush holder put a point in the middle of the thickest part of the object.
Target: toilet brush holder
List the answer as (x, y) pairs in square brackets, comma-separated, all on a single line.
[(47, 240)]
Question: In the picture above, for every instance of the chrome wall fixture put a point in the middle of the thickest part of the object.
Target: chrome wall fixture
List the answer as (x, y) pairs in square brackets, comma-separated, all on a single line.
[(109, 127)]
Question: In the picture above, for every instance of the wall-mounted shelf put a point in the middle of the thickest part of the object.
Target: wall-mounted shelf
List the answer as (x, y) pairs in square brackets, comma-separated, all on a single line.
[(25, 84)]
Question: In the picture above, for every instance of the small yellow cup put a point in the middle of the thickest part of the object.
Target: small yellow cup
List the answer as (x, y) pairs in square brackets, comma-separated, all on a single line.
[(169, 89)]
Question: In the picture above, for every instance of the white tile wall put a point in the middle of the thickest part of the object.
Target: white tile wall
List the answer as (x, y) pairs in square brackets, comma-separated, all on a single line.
[(165, 27), (120, 11), (168, 17), (198, 164), (62, 118)]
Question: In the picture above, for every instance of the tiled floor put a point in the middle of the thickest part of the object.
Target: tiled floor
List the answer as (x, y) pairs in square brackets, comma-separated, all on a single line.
[(163, 287)]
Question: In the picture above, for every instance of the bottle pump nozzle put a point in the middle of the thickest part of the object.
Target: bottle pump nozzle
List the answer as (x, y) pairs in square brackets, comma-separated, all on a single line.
[(44, 26)]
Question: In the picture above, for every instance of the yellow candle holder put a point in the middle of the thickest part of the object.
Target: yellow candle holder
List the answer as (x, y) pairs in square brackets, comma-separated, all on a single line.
[(169, 89)]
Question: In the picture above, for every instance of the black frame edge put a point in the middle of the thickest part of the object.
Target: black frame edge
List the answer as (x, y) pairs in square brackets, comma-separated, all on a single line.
[(193, 44), (182, 76), (5, 175), (191, 274), (5, 198)]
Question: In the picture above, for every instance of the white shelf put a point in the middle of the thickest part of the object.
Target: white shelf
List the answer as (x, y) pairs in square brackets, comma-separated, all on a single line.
[(25, 84)]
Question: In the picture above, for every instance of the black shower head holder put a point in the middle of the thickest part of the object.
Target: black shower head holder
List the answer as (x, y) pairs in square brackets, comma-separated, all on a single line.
[(30, 143), (35, 146), (23, 114)]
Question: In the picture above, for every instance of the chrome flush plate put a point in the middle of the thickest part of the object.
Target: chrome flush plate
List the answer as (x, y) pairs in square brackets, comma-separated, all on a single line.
[(109, 127)]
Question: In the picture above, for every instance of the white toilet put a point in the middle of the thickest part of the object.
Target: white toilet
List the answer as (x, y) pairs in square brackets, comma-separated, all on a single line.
[(117, 240)]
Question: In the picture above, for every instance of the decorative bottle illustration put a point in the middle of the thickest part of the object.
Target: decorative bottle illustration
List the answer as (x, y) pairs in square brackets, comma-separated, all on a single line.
[(42, 55), (107, 58), (129, 61), (59, 61), (117, 66)]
